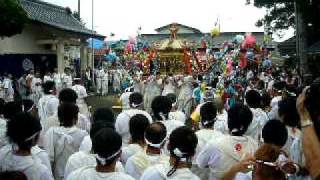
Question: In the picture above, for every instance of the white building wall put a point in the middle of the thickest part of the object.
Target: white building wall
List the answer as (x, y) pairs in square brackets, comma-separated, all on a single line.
[(26, 42)]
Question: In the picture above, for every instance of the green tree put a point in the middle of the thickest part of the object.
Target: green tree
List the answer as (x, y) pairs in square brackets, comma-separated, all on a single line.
[(12, 18), (280, 14)]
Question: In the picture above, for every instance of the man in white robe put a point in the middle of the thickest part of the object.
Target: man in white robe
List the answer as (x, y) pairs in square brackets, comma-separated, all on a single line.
[(107, 149), (82, 95), (99, 75), (116, 81), (67, 80), (61, 142), (105, 83), (48, 103), (152, 89), (220, 154), (185, 96), (58, 80), (8, 88), (155, 137), (36, 88), (122, 121)]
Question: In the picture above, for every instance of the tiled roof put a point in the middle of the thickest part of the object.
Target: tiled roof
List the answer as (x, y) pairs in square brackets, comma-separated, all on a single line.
[(56, 16), (188, 27)]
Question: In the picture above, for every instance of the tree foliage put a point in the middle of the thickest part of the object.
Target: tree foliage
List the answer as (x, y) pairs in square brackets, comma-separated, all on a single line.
[(280, 14), (77, 16), (12, 18)]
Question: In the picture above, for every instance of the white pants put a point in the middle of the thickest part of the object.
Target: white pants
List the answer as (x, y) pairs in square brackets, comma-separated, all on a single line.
[(98, 85), (104, 87)]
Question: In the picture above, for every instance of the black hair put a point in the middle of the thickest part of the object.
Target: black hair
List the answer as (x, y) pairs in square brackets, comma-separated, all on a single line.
[(312, 104), (68, 114), (103, 114), (22, 127), (106, 143), (48, 87), (288, 112), (12, 175), (161, 104), (2, 103), (68, 95), (156, 133), (172, 97), (253, 99), (208, 114), (137, 127), (275, 132), (185, 140), (239, 119), (135, 98), (96, 126), (10, 109), (27, 104)]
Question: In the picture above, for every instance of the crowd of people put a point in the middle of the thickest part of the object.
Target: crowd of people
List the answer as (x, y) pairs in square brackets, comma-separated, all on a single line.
[(252, 124)]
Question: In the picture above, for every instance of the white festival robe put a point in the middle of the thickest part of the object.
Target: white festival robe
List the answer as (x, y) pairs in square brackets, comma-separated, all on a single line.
[(122, 123), (47, 106), (61, 143), (90, 173), (30, 165), (222, 153), (159, 172)]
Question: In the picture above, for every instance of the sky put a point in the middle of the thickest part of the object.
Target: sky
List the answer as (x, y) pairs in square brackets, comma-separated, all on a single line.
[(124, 17)]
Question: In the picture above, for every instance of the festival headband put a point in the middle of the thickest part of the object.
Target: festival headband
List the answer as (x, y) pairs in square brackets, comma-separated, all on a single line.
[(177, 152), (154, 145), (206, 122), (135, 105), (103, 160), (32, 136)]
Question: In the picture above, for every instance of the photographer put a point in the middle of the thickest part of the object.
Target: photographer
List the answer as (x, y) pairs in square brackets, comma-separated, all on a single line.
[(308, 104)]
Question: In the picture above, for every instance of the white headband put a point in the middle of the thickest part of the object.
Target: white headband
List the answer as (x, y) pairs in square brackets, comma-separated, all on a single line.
[(32, 136), (154, 145), (180, 154), (135, 105), (103, 160)]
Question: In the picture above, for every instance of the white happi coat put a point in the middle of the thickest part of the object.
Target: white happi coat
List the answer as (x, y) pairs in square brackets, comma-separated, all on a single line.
[(58, 80), (224, 152), (99, 74), (129, 151), (3, 132), (221, 123), (122, 123), (61, 143), (47, 78), (8, 90), (124, 98), (82, 94), (30, 165), (178, 116), (259, 119), (47, 106), (67, 81), (185, 96), (105, 83), (82, 159), (90, 173), (140, 161), (169, 88), (36, 89), (159, 172), (152, 89), (204, 136), (116, 80)]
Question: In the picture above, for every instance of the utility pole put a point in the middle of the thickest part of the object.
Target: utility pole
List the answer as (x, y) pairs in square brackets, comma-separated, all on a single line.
[(92, 39), (79, 8)]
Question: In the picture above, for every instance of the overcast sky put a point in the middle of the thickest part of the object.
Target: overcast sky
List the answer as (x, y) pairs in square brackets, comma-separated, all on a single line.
[(123, 17)]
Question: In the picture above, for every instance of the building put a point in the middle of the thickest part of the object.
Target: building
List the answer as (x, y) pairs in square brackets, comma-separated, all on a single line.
[(192, 36), (52, 38)]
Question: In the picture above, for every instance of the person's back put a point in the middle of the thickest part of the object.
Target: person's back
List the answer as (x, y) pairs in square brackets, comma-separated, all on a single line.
[(31, 165), (61, 142), (220, 154), (154, 136), (21, 158), (106, 145), (122, 120)]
